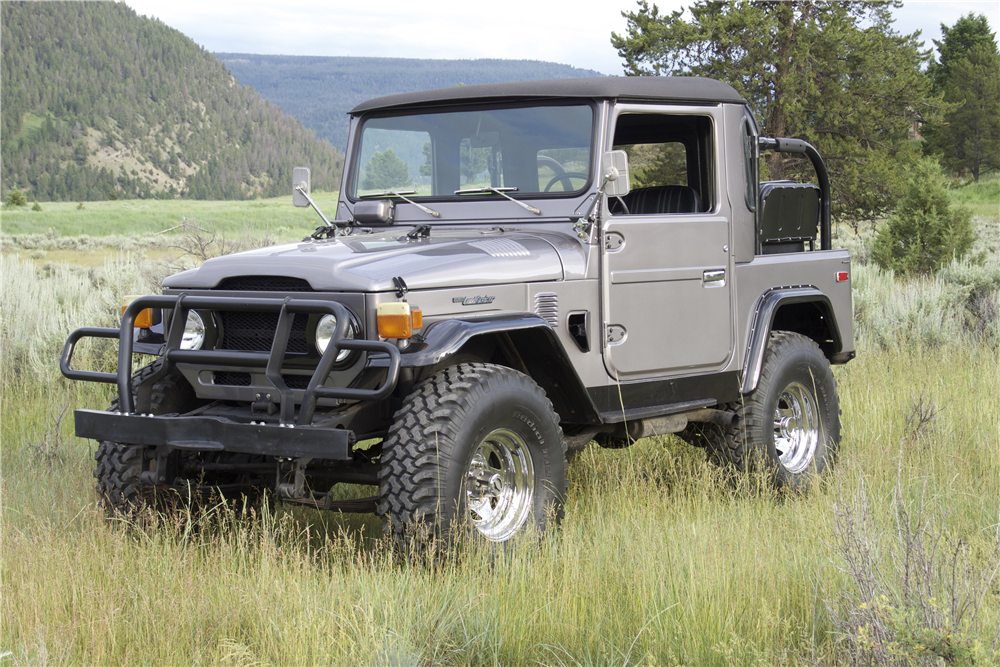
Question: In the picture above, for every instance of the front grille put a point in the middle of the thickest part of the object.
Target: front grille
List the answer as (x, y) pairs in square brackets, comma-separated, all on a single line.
[(296, 381), (265, 284), (255, 332), (237, 379), (231, 378)]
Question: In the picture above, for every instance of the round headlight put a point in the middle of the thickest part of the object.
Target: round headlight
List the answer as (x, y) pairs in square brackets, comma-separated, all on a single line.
[(324, 332), (194, 332)]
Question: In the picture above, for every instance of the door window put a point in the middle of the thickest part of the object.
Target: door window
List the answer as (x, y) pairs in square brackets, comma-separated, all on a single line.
[(670, 162)]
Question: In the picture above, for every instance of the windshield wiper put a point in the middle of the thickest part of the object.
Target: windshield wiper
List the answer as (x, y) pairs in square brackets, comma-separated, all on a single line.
[(394, 193), (499, 191)]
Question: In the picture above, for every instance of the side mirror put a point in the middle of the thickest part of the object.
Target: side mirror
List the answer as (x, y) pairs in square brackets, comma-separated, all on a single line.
[(614, 183), (615, 168), (300, 179)]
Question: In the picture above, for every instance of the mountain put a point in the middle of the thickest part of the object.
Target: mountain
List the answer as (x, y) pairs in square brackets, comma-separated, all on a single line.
[(320, 91), (97, 102)]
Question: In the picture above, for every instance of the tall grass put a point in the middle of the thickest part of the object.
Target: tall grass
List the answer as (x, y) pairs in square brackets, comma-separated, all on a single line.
[(659, 561), (982, 197)]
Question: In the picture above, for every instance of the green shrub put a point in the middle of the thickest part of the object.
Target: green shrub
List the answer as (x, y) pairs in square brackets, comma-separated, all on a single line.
[(924, 232), (16, 198), (36, 207)]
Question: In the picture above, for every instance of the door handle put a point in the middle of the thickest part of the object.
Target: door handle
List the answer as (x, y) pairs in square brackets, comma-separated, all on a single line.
[(714, 278)]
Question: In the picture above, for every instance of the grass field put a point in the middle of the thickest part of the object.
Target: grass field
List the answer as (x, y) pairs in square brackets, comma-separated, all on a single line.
[(659, 561), (143, 218)]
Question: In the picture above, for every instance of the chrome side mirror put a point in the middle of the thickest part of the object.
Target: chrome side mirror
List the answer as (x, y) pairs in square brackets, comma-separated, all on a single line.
[(300, 187), (615, 168)]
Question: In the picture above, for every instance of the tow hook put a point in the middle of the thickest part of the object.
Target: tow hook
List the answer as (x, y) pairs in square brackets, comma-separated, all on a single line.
[(264, 404)]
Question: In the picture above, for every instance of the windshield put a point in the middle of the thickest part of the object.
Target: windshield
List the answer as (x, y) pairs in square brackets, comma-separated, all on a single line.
[(538, 149)]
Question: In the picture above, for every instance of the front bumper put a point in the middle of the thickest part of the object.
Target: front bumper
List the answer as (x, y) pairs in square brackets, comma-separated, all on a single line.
[(293, 436), (216, 434)]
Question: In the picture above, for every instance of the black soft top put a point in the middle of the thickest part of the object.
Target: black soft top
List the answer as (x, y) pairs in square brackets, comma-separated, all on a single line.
[(680, 89)]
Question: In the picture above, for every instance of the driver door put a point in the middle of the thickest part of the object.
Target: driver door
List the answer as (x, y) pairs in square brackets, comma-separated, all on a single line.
[(667, 267)]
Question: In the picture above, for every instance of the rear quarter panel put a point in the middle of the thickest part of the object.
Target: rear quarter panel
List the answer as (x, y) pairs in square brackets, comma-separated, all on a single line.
[(814, 269)]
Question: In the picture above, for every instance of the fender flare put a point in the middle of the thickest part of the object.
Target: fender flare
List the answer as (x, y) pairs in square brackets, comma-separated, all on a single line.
[(763, 319), (541, 353), (445, 338)]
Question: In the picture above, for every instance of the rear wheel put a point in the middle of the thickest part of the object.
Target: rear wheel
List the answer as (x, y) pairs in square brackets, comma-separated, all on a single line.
[(474, 445), (790, 426)]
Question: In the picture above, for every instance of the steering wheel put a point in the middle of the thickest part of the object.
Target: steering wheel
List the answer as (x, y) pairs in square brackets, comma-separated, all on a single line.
[(551, 163), (565, 177)]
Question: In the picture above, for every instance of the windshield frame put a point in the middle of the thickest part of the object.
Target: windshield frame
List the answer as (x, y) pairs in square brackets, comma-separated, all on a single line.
[(353, 169)]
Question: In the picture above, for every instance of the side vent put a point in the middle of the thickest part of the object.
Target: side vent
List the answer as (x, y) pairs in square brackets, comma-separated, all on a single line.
[(579, 329), (547, 307)]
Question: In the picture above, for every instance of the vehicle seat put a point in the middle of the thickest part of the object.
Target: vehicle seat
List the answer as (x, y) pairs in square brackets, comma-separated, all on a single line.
[(659, 199), (788, 216)]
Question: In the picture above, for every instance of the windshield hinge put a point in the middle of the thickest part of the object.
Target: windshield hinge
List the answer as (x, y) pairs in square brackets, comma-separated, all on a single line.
[(401, 288), (420, 231)]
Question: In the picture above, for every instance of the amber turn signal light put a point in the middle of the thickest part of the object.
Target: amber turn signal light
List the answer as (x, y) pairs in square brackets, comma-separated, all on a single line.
[(144, 319), (398, 320)]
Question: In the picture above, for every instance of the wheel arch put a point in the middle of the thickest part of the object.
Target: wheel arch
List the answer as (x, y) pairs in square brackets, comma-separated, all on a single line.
[(522, 341), (802, 310)]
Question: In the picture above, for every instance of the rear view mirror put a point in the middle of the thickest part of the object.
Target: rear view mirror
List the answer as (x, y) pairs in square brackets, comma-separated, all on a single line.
[(614, 166), (485, 140), (300, 187)]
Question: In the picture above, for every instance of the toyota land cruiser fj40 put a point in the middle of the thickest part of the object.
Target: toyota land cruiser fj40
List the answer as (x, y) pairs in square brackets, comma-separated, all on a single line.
[(492, 293)]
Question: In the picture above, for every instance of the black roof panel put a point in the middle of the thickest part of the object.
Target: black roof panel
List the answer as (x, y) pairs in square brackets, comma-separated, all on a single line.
[(683, 89)]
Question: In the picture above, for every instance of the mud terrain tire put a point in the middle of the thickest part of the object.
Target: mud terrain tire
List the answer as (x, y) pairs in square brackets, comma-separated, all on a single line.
[(790, 426), (476, 446), (119, 465)]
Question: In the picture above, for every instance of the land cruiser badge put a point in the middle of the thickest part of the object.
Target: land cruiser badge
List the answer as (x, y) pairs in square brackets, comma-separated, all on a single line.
[(472, 300)]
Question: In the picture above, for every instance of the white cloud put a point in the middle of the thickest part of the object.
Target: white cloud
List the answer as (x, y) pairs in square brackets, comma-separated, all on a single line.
[(571, 33)]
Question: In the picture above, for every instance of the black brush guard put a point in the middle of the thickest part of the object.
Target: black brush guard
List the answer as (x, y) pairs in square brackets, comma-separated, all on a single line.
[(293, 437)]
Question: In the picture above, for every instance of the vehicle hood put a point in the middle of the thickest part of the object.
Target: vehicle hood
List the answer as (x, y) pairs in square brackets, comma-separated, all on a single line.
[(368, 262)]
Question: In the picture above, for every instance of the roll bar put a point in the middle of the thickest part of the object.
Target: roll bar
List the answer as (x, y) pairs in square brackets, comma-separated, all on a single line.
[(785, 145)]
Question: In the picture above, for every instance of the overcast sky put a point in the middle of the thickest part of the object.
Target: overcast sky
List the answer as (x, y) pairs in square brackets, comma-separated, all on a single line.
[(571, 33)]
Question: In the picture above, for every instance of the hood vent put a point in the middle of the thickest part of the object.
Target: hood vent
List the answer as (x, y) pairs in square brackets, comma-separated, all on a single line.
[(547, 307), (501, 248)]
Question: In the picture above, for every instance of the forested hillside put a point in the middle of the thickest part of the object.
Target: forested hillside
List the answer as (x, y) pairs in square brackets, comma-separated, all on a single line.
[(98, 103), (320, 91)]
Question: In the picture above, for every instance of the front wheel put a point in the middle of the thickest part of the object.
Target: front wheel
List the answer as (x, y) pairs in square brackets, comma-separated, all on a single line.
[(474, 445), (118, 465), (790, 426)]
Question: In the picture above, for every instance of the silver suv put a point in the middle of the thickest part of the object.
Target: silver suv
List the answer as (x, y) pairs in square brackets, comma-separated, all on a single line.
[(512, 272)]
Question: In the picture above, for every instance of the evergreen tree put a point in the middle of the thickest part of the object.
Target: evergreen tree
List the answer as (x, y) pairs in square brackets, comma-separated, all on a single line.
[(385, 171), (74, 75), (969, 75), (956, 43), (925, 232), (835, 74), (473, 160)]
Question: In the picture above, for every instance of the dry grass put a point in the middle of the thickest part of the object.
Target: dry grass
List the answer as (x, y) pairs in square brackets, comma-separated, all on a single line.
[(658, 562)]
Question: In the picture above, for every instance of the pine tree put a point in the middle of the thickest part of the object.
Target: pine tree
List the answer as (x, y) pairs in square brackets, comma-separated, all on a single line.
[(924, 232), (834, 73), (386, 171), (968, 139)]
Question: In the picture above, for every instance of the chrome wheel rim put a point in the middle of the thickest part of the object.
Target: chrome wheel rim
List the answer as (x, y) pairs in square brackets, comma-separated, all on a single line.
[(500, 485), (797, 427)]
